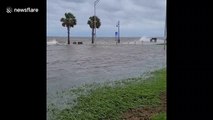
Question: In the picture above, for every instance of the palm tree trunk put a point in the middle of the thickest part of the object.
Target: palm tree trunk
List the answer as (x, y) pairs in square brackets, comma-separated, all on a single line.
[(68, 30), (93, 35)]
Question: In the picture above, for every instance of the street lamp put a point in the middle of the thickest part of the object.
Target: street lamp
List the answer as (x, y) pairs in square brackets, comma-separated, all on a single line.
[(95, 3)]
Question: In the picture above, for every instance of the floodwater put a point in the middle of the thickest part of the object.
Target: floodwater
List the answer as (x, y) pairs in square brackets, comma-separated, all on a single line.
[(73, 65)]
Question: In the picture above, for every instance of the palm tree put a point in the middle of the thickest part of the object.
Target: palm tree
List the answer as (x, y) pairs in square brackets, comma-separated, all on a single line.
[(91, 22), (68, 21)]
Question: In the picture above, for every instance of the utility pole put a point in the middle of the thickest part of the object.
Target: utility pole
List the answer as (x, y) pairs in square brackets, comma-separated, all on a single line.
[(165, 30), (95, 3), (118, 25)]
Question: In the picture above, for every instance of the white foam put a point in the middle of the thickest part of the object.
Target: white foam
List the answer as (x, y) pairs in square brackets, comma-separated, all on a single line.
[(52, 42), (144, 38)]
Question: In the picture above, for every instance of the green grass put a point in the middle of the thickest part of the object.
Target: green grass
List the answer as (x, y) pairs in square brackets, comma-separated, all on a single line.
[(160, 116), (109, 101)]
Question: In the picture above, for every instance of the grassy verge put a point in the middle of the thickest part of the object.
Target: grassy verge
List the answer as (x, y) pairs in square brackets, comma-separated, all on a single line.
[(159, 116), (112, 101)]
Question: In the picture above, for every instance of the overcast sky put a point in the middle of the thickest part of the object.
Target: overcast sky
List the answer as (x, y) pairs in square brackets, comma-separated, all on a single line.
[(137, 17)]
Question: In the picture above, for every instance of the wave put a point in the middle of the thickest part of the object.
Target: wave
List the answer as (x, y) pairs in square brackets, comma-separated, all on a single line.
[(144, 38), (147, 39), (52, 42)]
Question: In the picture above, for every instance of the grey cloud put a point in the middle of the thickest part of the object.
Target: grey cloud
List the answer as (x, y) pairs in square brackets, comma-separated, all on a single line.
[(149, 3), (132, 13), (75, 1)]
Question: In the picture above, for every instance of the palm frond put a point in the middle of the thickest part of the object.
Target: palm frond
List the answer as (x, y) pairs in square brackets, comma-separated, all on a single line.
[(69, 20), (91, 22)]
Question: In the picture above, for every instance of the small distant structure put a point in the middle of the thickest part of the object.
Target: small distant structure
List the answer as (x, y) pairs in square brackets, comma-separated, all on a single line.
[(79, 43), (153, 39)]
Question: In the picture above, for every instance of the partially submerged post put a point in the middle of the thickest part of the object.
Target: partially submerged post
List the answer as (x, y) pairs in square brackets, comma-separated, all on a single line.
[(116, 34), (118, 25)]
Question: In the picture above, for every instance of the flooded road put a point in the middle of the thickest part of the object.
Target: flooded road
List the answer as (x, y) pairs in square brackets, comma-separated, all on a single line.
[(74, 65)]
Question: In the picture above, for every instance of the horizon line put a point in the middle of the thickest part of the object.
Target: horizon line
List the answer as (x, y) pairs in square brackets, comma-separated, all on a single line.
[(104, 36)]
